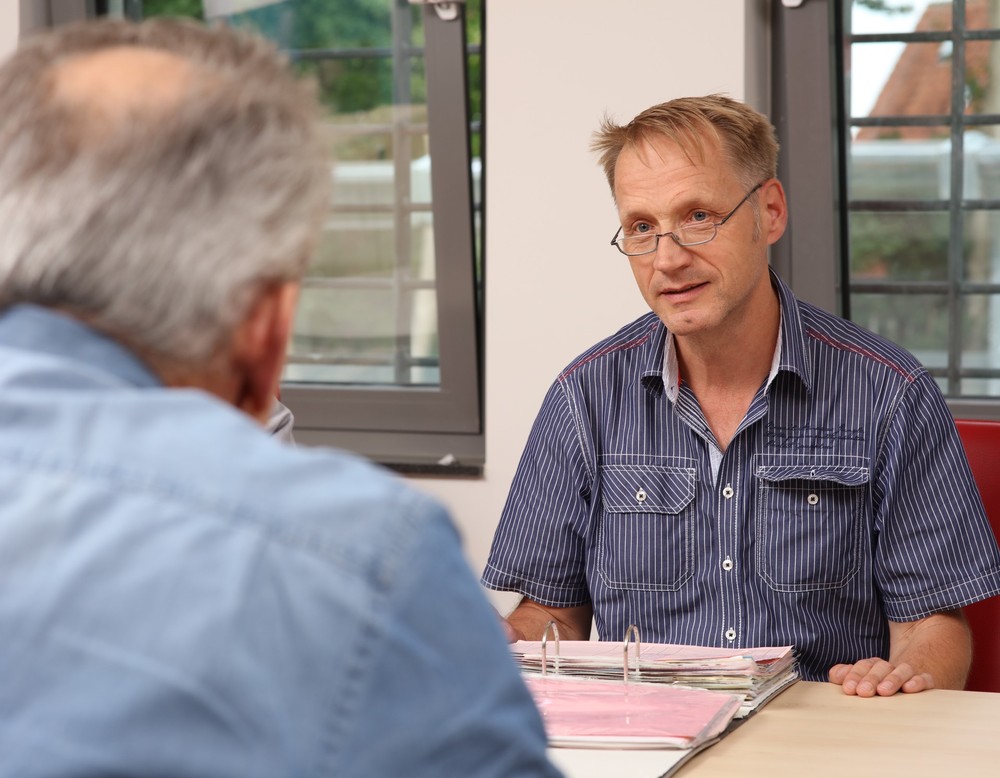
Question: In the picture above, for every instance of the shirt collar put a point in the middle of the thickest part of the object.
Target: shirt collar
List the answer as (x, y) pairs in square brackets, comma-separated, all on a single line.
[(45, 331), (789, 350), (794, 357)]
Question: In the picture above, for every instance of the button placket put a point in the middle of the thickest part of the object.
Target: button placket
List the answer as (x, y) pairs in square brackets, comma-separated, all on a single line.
[(729, 521)]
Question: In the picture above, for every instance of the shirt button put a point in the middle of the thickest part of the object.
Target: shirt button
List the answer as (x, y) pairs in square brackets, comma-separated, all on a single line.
[(812, 499), (727, 492), (640, 496), (727, 564), (730, 634)]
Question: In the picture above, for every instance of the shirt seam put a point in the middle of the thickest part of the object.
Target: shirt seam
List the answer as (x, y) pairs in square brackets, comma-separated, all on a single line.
[(993, 574), (908, 375), (610, 349)]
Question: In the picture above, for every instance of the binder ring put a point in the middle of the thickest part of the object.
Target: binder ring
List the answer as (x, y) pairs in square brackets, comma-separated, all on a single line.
[(545, 635), (632, 631)]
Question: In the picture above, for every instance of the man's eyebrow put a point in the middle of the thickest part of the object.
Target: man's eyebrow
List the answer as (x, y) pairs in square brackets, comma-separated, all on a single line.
[(636, 213), (677, 210)]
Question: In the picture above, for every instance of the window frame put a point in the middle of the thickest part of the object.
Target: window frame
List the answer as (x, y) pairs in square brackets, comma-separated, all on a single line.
[(421, 429), (42, 14)]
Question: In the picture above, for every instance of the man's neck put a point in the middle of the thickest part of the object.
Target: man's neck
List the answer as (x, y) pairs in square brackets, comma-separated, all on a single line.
[(724, 370)]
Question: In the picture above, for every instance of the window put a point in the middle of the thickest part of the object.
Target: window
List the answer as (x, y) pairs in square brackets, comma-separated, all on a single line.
[(385, 357), (905, 141)]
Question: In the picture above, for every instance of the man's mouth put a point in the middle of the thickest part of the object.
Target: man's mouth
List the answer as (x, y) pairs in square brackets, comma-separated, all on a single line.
[(683, 289)]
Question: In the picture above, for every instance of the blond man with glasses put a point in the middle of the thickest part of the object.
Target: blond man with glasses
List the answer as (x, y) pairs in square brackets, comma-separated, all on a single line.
[(737, 467)]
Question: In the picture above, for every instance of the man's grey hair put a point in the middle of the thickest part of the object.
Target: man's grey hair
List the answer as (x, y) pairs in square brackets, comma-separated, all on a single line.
[(159, 226)]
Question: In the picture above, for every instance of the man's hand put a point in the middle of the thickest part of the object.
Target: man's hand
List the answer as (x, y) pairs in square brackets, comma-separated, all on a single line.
[(877, 676), (933, 652), (512, 633)]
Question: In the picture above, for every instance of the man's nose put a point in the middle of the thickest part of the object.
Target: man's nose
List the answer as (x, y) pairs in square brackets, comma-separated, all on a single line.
[(669, 254)]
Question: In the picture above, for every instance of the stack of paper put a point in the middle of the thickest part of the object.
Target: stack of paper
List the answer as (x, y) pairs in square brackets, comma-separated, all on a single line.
[(755, 674), (589, 713)]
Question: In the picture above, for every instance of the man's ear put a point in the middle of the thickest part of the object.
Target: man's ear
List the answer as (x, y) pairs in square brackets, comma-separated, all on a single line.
[(775, 210), (259, 346)]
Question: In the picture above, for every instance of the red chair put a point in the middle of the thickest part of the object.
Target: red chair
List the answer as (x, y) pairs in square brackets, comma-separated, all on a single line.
[(981, 440)]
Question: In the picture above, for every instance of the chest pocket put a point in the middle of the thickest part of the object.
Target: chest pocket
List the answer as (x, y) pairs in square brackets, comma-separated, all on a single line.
[(645, 536), (808, 527)]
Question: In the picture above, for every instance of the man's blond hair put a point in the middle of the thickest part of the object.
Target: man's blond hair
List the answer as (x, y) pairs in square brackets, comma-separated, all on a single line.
[(697, 125)]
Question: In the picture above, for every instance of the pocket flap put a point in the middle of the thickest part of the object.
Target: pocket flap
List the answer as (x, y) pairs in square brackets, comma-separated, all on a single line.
[(647, 488), (844, 473)]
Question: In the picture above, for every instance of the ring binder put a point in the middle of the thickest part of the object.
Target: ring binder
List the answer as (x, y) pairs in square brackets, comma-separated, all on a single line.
[(545, 635), (756, 674), (631, 638), (632, 630), (598, 713)]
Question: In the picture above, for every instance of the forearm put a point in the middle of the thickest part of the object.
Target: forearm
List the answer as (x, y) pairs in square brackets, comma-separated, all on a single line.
[(529, 620), (939, 645)]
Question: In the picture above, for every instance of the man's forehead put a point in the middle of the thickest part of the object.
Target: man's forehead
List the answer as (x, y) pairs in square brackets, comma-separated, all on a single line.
[(652, 149), (664, 168)]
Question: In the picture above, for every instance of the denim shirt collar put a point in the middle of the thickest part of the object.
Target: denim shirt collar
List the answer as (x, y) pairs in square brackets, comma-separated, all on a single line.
[(42, 330)]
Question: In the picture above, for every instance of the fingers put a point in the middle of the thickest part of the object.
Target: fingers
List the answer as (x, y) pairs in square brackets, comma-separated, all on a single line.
[(863, 677), (513, 635), (918, 683), (874, 676), (838, 673), (509, 630)]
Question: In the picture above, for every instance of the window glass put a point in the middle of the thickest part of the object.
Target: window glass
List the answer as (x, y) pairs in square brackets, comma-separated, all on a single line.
[(387, 333), (921, 168), (899, 246)]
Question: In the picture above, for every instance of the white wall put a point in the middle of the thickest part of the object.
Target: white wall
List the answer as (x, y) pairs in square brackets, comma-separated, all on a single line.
[(9, 26), (553, 285)]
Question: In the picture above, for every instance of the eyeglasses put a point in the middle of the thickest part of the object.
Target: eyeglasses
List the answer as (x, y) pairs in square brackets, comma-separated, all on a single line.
[(689, 235)]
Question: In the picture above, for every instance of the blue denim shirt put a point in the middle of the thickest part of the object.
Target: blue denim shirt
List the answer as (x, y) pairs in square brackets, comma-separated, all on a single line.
[(181, 595), (844, 499)]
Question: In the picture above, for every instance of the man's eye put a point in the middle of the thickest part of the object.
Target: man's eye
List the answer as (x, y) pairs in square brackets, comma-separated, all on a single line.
[(699, 217), (642, 229)]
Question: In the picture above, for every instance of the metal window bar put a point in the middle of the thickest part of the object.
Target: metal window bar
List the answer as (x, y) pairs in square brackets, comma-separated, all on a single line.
[(926, 37), (923, 287), (922, 205), (978, 120)]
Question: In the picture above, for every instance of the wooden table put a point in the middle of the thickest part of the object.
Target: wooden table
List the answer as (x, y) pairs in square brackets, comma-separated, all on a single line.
[(814, 730)]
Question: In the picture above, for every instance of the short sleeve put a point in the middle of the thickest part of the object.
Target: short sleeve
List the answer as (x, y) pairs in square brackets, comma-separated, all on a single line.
[(935, 549), (539, 548)]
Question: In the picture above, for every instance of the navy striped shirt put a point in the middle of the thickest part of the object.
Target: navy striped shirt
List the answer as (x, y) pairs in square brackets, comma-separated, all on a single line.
[(844, 499)]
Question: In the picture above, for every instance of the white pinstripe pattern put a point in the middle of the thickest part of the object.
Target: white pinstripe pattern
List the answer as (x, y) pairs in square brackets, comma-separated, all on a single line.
[(851, 502)]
